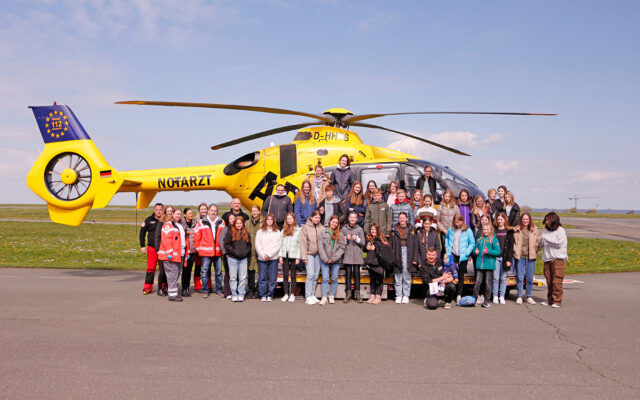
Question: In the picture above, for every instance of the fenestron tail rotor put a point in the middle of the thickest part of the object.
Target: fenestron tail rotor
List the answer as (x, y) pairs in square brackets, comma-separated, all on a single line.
[(338, 117), (68, 176)]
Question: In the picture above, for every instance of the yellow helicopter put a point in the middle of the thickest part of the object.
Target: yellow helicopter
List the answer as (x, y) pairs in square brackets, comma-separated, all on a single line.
[(72, 176)]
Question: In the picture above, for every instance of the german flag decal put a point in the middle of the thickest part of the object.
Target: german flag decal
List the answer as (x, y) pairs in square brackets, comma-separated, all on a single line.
[(105, 174)]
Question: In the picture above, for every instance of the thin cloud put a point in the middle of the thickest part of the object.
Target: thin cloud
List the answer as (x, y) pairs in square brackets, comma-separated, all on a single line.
[(465, 141), (377, 19)]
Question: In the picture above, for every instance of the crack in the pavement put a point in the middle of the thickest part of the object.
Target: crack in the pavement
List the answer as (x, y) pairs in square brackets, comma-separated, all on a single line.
[(581, 349)]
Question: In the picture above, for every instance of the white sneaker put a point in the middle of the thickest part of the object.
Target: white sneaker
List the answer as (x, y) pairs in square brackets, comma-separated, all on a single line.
[(324, 301), (495, 300), (544, 303), (480, 299), (398, 299), (240, 299), (315, 300), (229, 297), (332, 300), (502, 301), (405, 300), (292, 298), (269, 298), (554, 305), (458, 298), (519, 300), (234, 298), (285, 297), (530, 300), (263, 299), (309, 301)]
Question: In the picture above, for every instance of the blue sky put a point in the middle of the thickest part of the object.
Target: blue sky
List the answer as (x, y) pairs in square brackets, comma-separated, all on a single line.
[(579, 59)]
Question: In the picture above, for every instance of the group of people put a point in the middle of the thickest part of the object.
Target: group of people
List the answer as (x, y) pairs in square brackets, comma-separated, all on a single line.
[(335, 222)]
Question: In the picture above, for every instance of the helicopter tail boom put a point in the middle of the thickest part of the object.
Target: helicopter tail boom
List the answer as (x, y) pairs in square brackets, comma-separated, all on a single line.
[(71, 175)]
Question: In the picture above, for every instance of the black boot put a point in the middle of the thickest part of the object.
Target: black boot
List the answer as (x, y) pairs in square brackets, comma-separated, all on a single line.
[(161, 293), (358, 296), (347, 296), (186, 292)]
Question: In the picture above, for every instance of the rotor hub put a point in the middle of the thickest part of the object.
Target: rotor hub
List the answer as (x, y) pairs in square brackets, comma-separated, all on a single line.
[(69, 176)]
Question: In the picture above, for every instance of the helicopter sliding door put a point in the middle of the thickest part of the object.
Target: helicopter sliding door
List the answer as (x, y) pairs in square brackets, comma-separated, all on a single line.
[(288, 160)]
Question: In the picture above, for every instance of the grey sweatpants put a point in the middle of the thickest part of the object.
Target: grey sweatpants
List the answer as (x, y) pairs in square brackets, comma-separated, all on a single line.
[(172, 270)]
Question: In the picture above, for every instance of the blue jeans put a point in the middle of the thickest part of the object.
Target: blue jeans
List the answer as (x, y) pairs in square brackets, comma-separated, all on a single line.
[(525, 269), (204, 274), (500, 279), (237, 276), (267, 277), (403, 279), (313, 270), (334, 269)]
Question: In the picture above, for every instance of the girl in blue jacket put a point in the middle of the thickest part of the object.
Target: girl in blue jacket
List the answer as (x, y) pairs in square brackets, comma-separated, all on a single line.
[(304, 203), (459, 244)]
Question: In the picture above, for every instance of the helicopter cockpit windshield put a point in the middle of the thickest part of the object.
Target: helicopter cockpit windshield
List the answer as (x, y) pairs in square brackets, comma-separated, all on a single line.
[(448, 178)]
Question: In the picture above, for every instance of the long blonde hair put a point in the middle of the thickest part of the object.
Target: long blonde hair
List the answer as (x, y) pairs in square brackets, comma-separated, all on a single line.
[(288, 229), (300, 193), (474, 206), (165, 217), (452, 199)]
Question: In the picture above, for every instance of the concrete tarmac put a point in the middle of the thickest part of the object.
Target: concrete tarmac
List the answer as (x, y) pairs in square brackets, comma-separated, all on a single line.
[(627, 229), (85, 334)]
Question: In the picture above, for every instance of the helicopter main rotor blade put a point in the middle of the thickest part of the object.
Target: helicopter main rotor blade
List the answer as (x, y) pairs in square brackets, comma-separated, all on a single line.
[(364, 125), (263, 134), (350, 119), (271, 110)]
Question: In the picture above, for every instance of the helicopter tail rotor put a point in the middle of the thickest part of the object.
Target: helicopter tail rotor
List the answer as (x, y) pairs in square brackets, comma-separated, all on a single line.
[(71, 174)]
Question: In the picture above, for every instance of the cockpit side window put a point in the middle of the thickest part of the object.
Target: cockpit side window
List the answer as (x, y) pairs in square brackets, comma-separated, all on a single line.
[(381, 176)]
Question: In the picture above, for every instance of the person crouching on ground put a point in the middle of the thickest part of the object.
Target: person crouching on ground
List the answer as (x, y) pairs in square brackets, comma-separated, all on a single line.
[(487, 249), (238, 245), (432, 271), (290, 256), (268, 243), (173, 246), (331, 250), (553, 241)]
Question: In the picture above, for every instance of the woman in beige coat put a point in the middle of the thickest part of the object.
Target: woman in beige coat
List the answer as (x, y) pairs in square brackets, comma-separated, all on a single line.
[(525, 251)]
